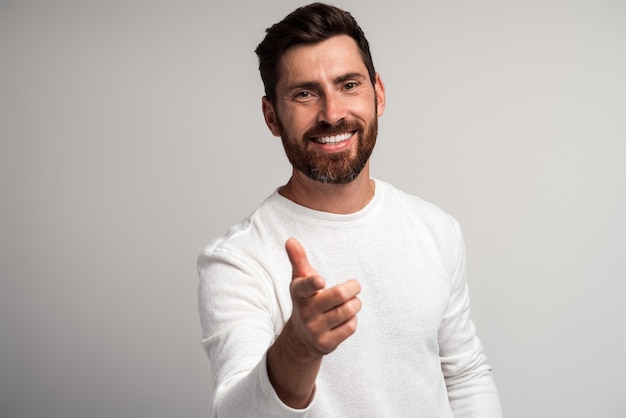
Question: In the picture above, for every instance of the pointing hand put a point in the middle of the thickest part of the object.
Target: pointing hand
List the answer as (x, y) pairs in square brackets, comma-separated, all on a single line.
[(322, 318)]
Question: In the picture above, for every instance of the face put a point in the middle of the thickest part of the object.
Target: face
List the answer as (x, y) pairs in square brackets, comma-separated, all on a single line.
[(326, 110)]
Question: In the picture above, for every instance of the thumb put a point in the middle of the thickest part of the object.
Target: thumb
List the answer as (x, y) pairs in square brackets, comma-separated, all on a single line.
[(299, 262), (305, 282)]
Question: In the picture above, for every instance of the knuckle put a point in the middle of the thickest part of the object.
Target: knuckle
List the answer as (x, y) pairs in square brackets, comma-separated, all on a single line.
[(350, 326), (344, 312), (349, 308), (314, 328), (341, 293), (311, 329), (325, 344)]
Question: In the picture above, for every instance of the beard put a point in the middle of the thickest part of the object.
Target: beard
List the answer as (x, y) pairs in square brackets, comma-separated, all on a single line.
[(331, 168)]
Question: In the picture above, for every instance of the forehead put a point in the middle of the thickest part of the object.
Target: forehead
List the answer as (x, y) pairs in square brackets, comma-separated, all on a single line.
[(327, 59)]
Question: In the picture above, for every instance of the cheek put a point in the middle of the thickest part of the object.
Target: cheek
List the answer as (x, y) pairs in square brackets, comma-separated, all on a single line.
[(367, 112), (298, 121)]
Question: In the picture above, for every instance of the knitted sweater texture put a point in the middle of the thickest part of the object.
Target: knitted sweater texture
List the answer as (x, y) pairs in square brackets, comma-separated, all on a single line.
[(415, 352)]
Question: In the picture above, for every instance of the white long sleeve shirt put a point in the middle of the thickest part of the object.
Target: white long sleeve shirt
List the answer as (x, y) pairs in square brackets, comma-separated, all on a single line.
[(415, 352)]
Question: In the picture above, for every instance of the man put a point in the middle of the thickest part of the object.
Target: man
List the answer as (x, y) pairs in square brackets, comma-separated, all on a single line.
[(280, 323)]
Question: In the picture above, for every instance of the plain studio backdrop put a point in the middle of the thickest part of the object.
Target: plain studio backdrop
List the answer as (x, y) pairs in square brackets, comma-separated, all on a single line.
[(132, 134)]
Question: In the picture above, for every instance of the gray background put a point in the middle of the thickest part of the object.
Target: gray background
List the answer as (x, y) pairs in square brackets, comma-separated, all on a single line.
[(132, 135)]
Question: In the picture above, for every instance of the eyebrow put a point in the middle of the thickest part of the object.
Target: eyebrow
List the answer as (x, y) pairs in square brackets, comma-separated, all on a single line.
[(337, 80), (349, 76)]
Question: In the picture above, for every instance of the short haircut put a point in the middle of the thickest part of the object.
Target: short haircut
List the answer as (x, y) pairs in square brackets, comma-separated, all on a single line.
[(310, 24)]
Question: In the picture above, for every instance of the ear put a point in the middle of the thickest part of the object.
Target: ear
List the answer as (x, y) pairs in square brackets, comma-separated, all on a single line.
[(379, 89), (270, 116)]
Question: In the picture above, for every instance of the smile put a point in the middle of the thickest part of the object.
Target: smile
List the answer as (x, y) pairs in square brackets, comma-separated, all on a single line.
[(334, 139)]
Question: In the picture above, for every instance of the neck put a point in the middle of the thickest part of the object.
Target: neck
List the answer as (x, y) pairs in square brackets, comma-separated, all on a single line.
[(334, 198)]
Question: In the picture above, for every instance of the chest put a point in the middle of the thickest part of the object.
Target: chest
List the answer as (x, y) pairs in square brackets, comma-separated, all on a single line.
[(404, 287)]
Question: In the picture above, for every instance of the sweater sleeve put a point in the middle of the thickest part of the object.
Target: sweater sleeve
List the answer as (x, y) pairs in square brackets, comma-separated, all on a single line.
[(471, 388), (238, 316)]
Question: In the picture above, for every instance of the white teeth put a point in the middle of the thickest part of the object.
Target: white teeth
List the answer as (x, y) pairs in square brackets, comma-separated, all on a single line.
[(334, 139)]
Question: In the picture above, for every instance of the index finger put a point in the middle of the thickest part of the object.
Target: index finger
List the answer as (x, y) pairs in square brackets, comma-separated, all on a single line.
[(305, 287)]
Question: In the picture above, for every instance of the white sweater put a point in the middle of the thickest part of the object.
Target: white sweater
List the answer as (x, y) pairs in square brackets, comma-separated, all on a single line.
[(415, 352)]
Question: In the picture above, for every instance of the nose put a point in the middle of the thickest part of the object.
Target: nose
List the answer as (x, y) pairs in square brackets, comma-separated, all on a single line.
[(332, 109)]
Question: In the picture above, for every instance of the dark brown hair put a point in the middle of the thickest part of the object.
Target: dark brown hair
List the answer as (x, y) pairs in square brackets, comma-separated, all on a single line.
[(307, 25)]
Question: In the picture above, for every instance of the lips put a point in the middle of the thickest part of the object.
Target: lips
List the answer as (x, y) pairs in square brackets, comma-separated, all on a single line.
[(333, 139)]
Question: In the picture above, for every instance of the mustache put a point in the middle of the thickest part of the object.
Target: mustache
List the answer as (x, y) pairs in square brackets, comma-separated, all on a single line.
[(326, 129)]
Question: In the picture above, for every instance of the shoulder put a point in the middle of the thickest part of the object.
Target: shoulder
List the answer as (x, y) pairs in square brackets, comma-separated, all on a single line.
[(246, 242), (418, 208), (439, 231)]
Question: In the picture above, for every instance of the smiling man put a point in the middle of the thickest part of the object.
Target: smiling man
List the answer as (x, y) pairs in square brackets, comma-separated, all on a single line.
[(280, 322), (326, 110)]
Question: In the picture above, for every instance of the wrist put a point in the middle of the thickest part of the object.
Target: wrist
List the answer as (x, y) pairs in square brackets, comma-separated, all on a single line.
[(292, 369)]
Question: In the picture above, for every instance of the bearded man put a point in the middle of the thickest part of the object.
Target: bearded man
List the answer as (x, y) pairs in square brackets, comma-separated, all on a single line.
[(280, 323)]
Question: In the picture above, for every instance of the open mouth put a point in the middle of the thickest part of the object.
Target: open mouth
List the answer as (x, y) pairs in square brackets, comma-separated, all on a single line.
[(333, 139)]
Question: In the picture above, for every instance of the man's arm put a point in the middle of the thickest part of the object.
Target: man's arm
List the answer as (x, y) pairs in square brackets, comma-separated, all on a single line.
[(321, 320), (471, 388)]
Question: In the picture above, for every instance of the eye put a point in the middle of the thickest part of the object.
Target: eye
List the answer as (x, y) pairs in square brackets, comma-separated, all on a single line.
[(303, 96), (350, 85)]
